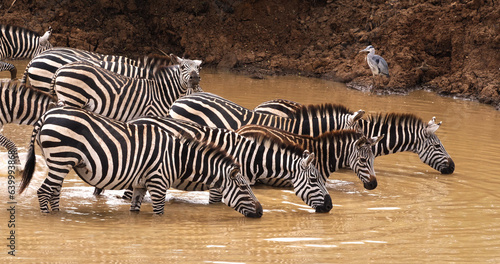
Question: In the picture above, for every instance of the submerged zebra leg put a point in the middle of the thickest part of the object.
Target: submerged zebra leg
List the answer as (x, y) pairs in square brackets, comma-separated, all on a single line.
[(137, 197), (54, 200), (215, 197), (158, 192), (11, 148), (51, 187)]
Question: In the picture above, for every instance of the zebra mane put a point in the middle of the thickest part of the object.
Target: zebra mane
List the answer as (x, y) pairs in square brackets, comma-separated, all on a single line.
[(269, 139), (154, 63), (226, 158), (395, 118), (342, 134), (321, 110)]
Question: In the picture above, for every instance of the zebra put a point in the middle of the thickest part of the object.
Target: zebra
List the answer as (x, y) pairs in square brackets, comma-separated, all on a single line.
[(21, 43), (334, 150), (212, 110), (110, 154), (20, 105), (41, 70), (260, 157), (82, 84), (404, 132)]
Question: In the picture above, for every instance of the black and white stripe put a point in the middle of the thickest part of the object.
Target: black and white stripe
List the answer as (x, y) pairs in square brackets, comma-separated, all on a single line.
[(40, 70), (334, 150), (403, 132), (110, 154), (21, 43), (211, 110), (260, 158), (4, 66), (20, 105), (122, 98), (406, 132)]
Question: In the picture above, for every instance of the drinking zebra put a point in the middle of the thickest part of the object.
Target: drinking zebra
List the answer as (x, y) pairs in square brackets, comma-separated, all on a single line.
[(110, 154), (41, 70), (82, 84), (403, 132), (21, 43), (20, 105), (334, 150), (260, 158), (211, 110)]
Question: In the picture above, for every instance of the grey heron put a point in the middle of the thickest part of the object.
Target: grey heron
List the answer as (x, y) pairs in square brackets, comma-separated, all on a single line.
[(377, 64)]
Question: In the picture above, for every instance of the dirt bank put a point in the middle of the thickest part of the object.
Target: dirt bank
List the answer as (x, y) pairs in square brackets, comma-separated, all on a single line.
[(451, 47)]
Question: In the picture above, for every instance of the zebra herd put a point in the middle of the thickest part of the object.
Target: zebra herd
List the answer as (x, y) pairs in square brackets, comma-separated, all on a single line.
[(146, 125)]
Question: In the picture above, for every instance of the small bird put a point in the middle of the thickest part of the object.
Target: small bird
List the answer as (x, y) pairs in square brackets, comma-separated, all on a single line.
[(377, 64)]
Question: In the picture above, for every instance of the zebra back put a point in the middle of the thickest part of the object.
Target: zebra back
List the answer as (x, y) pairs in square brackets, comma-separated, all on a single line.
[(20, 43), (41, 69), (279, 107), (211, 110)]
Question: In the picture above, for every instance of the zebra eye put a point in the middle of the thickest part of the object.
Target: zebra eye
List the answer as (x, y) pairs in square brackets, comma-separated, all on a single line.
[(437, 146), (362, 160)]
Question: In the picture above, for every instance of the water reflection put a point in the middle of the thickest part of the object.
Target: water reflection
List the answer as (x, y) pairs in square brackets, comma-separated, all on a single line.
[(414, 215)]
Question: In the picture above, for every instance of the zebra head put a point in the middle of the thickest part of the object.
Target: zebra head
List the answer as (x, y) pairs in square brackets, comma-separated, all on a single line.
[(190, 72), (431, 151), (238, 194), (310, 186), (361, 161)]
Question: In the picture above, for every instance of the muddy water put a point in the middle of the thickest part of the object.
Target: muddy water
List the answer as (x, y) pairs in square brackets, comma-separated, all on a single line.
[(415, 214)]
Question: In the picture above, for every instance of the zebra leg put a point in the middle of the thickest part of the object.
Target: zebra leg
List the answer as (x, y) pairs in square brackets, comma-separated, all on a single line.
[(11, 148), (51, 187), (158, 192), (54, 200), (215, 197), (137, 197), (45, 194)]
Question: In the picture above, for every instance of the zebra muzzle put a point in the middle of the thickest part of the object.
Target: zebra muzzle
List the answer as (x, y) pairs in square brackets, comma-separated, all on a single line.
[(258, 211), (372, 184), (450, 168), (327, 205)]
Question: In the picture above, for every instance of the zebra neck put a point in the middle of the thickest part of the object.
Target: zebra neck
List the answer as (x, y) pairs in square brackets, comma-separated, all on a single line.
[(332, 155), (398, 137)]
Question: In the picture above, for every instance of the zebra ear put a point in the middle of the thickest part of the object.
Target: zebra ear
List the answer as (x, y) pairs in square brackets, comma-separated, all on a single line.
[(234, 173), (432, 126), (307, 158), (44, 40), (375, 140), (175, 60), (356, 116), (361, 141)]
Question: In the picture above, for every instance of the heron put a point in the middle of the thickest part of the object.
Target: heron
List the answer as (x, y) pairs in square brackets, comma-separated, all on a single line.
[(377, 64)]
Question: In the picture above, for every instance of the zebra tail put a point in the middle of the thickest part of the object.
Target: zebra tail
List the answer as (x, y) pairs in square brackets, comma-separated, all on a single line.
[(29, 167)]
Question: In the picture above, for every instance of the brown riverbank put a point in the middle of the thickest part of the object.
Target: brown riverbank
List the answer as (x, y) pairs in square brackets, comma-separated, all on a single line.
[(451, 47)]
